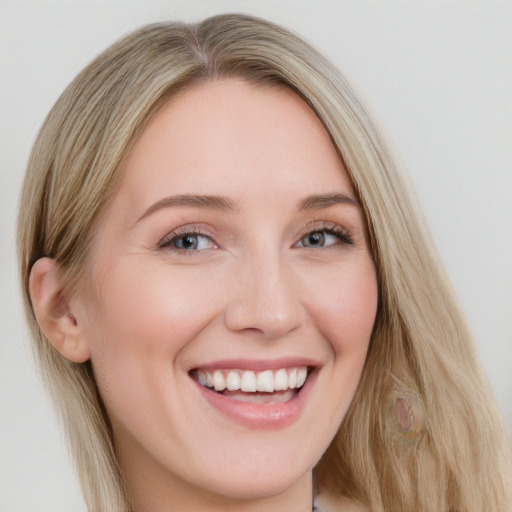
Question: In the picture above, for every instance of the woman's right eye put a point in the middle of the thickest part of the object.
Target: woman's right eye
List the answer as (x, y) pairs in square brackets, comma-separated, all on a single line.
[(187, 242)]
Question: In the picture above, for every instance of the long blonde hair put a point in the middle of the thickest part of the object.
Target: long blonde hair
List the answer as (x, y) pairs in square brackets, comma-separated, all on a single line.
[(451, 454)]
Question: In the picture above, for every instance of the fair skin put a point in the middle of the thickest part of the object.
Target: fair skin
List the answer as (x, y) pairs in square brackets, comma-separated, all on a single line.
[(233, 247)]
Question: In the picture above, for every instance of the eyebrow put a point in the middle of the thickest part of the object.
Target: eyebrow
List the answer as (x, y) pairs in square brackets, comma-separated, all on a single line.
[(319, 201), (312, 202), (191, 200)]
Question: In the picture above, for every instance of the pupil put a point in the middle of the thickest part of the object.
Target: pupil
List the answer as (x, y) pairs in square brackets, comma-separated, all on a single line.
[(316, 238), (187, 242)]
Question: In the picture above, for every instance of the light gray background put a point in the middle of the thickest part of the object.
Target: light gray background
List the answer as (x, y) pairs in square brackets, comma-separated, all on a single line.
[(438, 75)]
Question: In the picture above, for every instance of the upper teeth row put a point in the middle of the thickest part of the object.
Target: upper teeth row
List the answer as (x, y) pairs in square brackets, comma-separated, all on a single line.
[(250, 381)]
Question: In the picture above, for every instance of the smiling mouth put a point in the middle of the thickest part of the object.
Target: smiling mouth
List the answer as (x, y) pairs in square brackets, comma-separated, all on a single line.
[(267, 386)]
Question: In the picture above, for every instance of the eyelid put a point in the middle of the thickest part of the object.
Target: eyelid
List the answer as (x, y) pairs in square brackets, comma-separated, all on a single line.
[(188, 229), (203, 230), (326, 225)]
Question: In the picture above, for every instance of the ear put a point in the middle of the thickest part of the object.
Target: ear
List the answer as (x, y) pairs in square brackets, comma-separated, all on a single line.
[(52, 311)]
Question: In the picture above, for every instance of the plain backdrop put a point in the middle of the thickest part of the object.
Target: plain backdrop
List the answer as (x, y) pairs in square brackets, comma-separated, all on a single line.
[(438, 77)]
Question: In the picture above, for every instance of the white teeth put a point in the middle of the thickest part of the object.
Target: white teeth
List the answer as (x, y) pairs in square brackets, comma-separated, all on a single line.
[(292, 379), (248, 381), (265, 382), (233, 381), (302, 375), (281, 380), (219, 382), (202, 378)]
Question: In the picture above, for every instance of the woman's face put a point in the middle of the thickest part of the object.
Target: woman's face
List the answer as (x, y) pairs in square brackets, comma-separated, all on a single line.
[(233, 254)]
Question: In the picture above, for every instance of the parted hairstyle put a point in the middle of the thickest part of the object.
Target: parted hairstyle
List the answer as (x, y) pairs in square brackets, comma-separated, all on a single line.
[(422, 433)]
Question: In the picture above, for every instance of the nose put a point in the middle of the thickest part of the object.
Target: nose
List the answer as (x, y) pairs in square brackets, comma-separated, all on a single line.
[(265, 298)]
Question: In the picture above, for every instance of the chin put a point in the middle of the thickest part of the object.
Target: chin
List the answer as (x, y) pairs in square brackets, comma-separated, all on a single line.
[(252, 485)]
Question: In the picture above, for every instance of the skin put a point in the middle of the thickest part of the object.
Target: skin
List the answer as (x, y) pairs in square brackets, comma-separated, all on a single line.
[(254, 289)]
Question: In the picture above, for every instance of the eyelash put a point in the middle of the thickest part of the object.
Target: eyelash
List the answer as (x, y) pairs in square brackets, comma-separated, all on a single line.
[(338, 232), (329, 228), (319, 227), (167, 240)]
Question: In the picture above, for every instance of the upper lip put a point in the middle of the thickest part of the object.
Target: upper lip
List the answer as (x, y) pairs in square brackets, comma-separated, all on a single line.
[(257, 364)]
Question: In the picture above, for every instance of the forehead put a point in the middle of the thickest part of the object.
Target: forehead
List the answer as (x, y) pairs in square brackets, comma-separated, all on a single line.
[(226, 137)]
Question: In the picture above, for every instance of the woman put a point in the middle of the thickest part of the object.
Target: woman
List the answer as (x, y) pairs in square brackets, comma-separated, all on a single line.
[(231, 295)]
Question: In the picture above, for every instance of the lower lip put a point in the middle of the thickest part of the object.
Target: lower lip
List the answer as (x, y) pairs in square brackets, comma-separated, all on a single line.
[(260, 416)]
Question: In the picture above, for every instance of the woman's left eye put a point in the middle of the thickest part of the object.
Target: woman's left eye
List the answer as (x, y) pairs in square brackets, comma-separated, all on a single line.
[(188, 242), (323, 238)]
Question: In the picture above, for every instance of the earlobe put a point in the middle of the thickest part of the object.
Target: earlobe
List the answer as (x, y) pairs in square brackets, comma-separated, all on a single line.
[(53, 313)]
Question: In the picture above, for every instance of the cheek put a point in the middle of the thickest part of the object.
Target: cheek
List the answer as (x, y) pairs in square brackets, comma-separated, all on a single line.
[(141, 320), (150, 308), (344, 308)]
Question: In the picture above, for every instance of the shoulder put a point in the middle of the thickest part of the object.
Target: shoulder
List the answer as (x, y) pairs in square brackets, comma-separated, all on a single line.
[(329, 503)]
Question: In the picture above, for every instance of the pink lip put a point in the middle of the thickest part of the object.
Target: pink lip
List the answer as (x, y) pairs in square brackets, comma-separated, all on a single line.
[(259, 416)]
